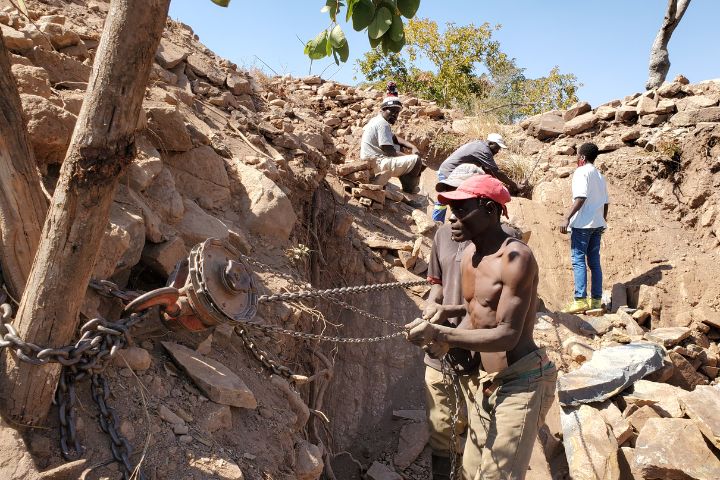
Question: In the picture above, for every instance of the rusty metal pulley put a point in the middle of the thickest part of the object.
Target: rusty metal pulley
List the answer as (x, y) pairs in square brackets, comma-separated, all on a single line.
[(211, 286)]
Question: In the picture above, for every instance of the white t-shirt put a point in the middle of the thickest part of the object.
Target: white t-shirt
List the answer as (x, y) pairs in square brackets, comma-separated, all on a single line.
[(588, 183), (376, 133)]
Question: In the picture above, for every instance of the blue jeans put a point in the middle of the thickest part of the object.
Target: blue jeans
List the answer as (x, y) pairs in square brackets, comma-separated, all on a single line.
[(585, 247), (438, 214)]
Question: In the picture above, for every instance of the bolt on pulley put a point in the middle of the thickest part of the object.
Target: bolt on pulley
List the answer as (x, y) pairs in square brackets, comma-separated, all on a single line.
[(211, 286)]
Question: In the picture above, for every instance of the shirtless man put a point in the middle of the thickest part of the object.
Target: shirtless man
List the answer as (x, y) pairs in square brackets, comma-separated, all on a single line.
[(508, 398)]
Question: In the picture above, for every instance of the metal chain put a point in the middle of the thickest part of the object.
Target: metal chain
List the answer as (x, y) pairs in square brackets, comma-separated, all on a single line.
[(363, 313), (450, 379), (262, 356), (106, 288), (87, 358), (317, 336), (291, 296), (109, 423)]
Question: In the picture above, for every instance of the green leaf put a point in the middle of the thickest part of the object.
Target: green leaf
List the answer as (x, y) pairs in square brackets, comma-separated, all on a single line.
[(363, 14), (343, 51), (317, 48), (374, 42), (390, 45), (350, 7), (222, 3), (337, 36), (408, 8), (381, 23), (397, 30)]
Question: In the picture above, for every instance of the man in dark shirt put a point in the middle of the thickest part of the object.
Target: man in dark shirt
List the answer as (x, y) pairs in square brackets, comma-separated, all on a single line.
[(445, 278), (480, 153)]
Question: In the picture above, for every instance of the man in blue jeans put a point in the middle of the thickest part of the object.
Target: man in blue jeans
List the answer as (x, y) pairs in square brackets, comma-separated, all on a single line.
[(586, 220)]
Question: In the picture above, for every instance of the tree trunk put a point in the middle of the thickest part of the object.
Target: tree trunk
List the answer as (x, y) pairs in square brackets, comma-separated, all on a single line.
[(659, 56), (22, 203), (102, 146)]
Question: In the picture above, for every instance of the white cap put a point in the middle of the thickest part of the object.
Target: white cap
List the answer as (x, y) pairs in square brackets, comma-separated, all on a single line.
[(496, 138)]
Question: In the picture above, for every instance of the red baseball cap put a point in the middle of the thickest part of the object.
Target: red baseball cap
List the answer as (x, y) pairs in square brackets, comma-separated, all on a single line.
[(479, 186)]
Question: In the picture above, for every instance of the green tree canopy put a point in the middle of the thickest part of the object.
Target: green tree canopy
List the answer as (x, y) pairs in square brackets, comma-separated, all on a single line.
[(467, 69)]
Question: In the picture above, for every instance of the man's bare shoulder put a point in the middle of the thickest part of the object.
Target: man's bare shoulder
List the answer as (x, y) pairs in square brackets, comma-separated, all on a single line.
[(518, 257)]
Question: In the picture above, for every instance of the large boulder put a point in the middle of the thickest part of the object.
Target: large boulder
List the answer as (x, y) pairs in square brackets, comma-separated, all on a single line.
[(61, 68), (169, 55), (14, 40), (200, 174), (32, 80), (545, 126), (202, 66), (238, 84), (59, 36), (268, 211), (122, 244), (693, 117), (164, 198), (146, 166), (168, 127), (580, 123), (575, 110), (197, 225), (49, 127)]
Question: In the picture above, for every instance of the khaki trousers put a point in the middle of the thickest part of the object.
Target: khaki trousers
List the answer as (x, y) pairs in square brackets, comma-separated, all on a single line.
[(439, 405), (503, 426)]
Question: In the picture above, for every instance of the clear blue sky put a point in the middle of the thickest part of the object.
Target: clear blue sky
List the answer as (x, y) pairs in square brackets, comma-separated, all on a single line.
[(604, 42)]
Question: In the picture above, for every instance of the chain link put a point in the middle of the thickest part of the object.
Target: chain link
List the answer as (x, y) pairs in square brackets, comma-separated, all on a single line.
[(291, 296), (450, 378), (106, 288), (317, 336), (262, 356), (87, 358), (109, 423)]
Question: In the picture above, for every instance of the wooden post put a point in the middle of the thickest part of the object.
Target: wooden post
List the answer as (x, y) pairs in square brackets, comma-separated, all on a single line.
[(102, 146), (22, 203)]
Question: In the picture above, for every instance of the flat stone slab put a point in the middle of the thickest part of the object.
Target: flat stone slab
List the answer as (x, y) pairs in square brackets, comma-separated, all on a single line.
[(674, 448), (590, 447), (610, 371), (217, 381), (663, 397), (412, 441), (668, 336), (701, 405), (380, 471)]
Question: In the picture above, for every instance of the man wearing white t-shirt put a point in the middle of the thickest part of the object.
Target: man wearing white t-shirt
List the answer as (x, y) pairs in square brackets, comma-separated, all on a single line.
[(587, 220), (380, 145)]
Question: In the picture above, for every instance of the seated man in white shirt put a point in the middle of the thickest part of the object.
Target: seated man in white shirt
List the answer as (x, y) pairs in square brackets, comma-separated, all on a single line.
[(587, 221), (381, 146)]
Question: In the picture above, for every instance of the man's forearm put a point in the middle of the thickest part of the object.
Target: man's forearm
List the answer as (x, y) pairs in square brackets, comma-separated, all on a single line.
[(436, 294), (605, 211), (478, 340), (576, 206), (506, 180), (404, 143)]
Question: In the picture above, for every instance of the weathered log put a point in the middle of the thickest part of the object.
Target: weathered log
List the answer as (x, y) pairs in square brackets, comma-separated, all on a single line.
[(659, 65), (22, 203), (102, 146)]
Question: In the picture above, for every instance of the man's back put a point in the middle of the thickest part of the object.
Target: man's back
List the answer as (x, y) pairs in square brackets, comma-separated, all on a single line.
[(589, 183), (476, 152)]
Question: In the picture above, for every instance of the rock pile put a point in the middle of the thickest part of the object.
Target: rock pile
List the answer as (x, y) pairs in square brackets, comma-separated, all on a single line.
[(636, 400)]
